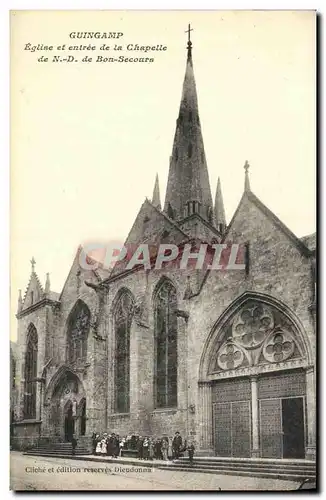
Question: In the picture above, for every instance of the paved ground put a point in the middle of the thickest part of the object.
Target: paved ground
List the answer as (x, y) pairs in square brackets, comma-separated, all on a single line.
[(47, 473)]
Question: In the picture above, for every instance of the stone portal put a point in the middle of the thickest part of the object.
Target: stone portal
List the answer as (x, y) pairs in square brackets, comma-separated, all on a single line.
[(67, 407)]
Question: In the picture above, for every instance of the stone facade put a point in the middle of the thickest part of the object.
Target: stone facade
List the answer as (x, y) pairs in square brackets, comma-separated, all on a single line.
[(243, 336)]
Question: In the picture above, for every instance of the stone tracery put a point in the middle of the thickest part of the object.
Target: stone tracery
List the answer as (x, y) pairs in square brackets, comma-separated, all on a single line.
[(251, 325), (258, 334)]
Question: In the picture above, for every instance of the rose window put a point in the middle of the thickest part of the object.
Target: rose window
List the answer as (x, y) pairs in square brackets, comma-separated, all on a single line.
[(229, 357), (279, 348), (252, 325)]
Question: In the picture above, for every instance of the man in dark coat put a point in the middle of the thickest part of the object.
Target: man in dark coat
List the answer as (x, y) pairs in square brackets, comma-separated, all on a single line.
[(109, 446), (73, 445), (176, 445), (191, 451), (116, 449), (140, 447), (94, 442)]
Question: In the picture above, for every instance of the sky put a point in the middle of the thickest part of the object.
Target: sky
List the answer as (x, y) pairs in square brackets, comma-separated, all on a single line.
[(87, 139)]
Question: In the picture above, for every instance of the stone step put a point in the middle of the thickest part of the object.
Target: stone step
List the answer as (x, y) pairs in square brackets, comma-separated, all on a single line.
[(49, 448), (265, 474), (251, 466), (66, 452), (245, 467), (235, 471), (266, 461)]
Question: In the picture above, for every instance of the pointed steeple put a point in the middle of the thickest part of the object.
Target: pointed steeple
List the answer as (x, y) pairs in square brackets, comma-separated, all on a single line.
[(219, 208), (156, 199), (247, 182), (188, 189), (47, 283)]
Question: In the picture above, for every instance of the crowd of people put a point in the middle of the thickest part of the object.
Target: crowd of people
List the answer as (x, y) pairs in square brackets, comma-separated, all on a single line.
[(144, 447)]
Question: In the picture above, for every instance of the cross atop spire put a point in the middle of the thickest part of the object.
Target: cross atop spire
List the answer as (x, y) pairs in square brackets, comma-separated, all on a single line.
[(188, 31), (33, 262), (189, 44), (247, 182)]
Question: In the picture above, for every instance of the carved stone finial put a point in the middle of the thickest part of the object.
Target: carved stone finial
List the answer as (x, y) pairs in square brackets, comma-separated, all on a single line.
[(246, 166), (33, 262), (247, 182), (47, 283)]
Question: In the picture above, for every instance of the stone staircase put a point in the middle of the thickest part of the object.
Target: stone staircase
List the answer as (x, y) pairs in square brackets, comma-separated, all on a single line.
[(59, 449), (287, 469), (294, 470)]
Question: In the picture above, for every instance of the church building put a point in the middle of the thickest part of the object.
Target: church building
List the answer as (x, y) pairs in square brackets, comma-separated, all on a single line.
[(228, 358)]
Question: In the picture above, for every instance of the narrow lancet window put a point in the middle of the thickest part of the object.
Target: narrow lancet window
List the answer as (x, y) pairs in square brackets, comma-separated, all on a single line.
[(166, 348), (122, 322), (30, 373), (77, 334)]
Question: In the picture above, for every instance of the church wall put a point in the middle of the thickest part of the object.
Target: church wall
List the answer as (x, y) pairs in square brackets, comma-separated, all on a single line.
[(26, 435), (93, 378), (144, 418), (277, 268), (38, 319), (196, 227)]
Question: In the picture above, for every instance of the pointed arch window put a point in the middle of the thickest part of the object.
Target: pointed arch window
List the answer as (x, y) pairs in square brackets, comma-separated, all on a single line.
[(123, 315), (78, 328), (30, 373), (166, 347)]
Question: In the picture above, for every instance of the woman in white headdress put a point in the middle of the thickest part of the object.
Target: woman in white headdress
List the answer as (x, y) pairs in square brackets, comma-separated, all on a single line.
[(104, 443), (98, 448)]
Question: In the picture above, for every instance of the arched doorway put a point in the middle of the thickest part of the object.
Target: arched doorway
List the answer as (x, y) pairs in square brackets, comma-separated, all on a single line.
[(67, 405), (254, 383)]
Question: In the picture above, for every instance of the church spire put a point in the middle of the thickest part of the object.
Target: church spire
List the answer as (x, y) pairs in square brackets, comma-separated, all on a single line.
[(219, 208), (247, 182), (156, 199), (188, 189)]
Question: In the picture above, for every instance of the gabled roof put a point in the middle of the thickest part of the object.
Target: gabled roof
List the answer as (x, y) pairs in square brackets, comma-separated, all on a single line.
[(273, 218), (34, 287), (309, 241), (151, 235)]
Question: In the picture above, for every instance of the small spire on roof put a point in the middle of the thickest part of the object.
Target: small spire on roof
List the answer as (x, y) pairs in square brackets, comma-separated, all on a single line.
[(156, 199), (247, 182), (47, 283), (219, 208), (33, 262)]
